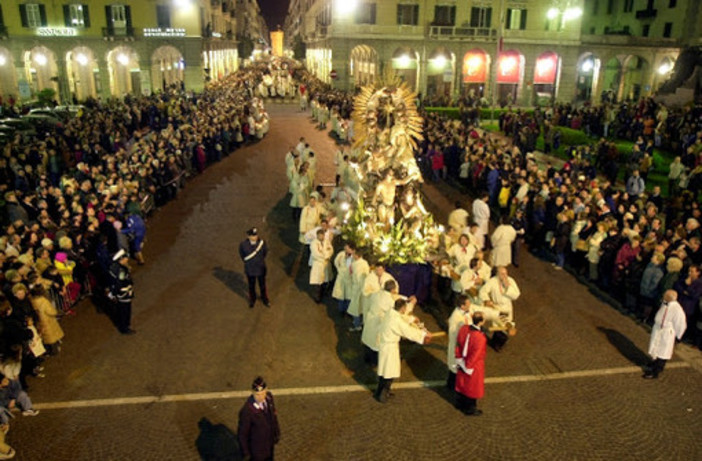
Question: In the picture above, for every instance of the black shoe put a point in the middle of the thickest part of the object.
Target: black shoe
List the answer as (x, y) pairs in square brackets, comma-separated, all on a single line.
[(128, 331), (649, 376), (475, 413), (267, 303), (251, 305)]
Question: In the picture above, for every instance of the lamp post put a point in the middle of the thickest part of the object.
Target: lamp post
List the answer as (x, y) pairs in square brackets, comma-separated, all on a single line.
[(498, 49)]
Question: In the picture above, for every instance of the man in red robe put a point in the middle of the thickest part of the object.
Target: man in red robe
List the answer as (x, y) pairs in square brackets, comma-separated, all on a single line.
[(471, 345)]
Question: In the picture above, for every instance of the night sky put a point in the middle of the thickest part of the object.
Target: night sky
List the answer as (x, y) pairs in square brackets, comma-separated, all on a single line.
[(274, 12)]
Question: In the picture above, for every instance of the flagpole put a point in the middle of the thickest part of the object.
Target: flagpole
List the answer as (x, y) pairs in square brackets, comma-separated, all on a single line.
[(498, 48)]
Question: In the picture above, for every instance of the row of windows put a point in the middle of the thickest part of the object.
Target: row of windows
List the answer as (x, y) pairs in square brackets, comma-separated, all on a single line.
[(444, 15), (645, 30), (627, 4), (77, 15)]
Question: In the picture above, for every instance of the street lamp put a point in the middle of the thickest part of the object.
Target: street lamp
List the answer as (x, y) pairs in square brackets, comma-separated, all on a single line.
[(346, 7), (587, 66), (572, 13), (564, 10), (403, 61), (3, 60), (665, 68), (440, 61), (123, 59), (182, 3), (82, 59), (40, 59)]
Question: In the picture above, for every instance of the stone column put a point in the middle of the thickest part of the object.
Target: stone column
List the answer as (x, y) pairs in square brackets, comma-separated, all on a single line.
[(64, 92), (526, 98), (422, 77), (193, 74)]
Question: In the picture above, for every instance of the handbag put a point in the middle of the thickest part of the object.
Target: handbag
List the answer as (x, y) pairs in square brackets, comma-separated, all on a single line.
[(581, 245)]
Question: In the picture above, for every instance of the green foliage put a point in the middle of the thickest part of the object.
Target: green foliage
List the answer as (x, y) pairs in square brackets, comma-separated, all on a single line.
[(46, 96), (485, 113), (395, 245)]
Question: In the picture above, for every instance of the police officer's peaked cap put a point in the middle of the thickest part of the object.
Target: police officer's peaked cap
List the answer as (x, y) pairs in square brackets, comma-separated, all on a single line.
[(259, 384)]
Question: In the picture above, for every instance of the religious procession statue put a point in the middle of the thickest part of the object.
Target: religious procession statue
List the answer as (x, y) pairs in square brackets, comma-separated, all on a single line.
[(389, 219)]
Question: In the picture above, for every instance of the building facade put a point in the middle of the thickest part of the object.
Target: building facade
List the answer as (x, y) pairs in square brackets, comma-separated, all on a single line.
[(252, 26), (520, 51), (103, 48)]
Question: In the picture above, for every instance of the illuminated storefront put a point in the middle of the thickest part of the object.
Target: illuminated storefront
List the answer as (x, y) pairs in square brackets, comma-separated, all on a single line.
[(476, 63), (510, 71), (546, 74)]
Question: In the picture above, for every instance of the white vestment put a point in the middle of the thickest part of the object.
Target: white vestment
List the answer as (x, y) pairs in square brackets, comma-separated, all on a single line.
[(392, 329), (321, 269), (501, 296), (342, 284), (373, 284), (380, 303), (358, 271), (502, 238), (670, 323), (481, 215)]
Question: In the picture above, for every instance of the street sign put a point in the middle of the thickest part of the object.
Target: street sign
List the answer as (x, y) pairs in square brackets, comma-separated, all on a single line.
[(333, 74)]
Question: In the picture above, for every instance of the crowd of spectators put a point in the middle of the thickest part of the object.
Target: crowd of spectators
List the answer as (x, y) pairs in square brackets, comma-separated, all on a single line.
[(633, 243), (75, 196)]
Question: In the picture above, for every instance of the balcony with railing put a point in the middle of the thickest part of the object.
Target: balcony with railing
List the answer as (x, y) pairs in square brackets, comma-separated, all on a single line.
[(111, 32), (365, 30), (456, 32)]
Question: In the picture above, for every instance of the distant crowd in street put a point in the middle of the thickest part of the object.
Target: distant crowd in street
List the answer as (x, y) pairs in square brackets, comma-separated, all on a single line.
[(75, 201)]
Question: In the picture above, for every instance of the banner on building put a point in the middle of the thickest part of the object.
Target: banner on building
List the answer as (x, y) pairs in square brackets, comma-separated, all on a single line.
[(546, 69), (475, 67)]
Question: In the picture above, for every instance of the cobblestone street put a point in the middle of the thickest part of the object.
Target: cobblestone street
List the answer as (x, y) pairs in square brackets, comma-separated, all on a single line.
[(568, 386)]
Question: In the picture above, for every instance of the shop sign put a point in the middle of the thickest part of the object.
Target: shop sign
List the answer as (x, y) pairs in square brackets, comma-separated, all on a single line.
[(168, 32), (57, 31)]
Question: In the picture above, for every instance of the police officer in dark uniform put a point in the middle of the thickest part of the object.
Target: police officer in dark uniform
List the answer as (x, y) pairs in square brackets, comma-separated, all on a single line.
[(122, 292), (253, 252), (258, 424)]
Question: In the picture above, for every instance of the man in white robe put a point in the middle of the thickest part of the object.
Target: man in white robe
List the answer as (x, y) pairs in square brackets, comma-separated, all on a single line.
[(380, 303), (320, 273), (300, 146), (309, 219), (481, 213), (342, 284), (392, 329), (458, 218), (501, 239), (498, 294), (358, 272), (461, 254), (670, 323), (373, 283)]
